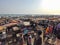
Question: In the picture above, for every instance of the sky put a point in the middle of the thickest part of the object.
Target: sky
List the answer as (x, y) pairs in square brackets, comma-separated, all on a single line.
[(29, 6), (19, 6)]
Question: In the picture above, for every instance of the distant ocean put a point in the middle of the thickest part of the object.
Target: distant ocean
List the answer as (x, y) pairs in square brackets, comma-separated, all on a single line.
[(15, 15), (12, 15)]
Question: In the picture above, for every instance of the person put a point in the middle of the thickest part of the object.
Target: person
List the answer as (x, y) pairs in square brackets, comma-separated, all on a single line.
[(25, 36), (57, 34), (15, 31), (4, 38), (49, 29), (20, 39), (29, 39), (49, 32), (33, 25), (38, 39), (0, 42)]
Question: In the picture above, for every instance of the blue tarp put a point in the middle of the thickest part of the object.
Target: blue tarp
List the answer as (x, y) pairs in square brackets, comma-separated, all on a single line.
[(25, 31)]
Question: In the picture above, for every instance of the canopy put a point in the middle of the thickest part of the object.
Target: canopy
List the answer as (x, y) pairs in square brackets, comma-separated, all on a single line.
[(26, 23), (10, 24), (2, 28), (15, 28)]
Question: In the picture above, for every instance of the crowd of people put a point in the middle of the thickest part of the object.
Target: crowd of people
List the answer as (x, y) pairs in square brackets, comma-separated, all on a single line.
[(29, 34)]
